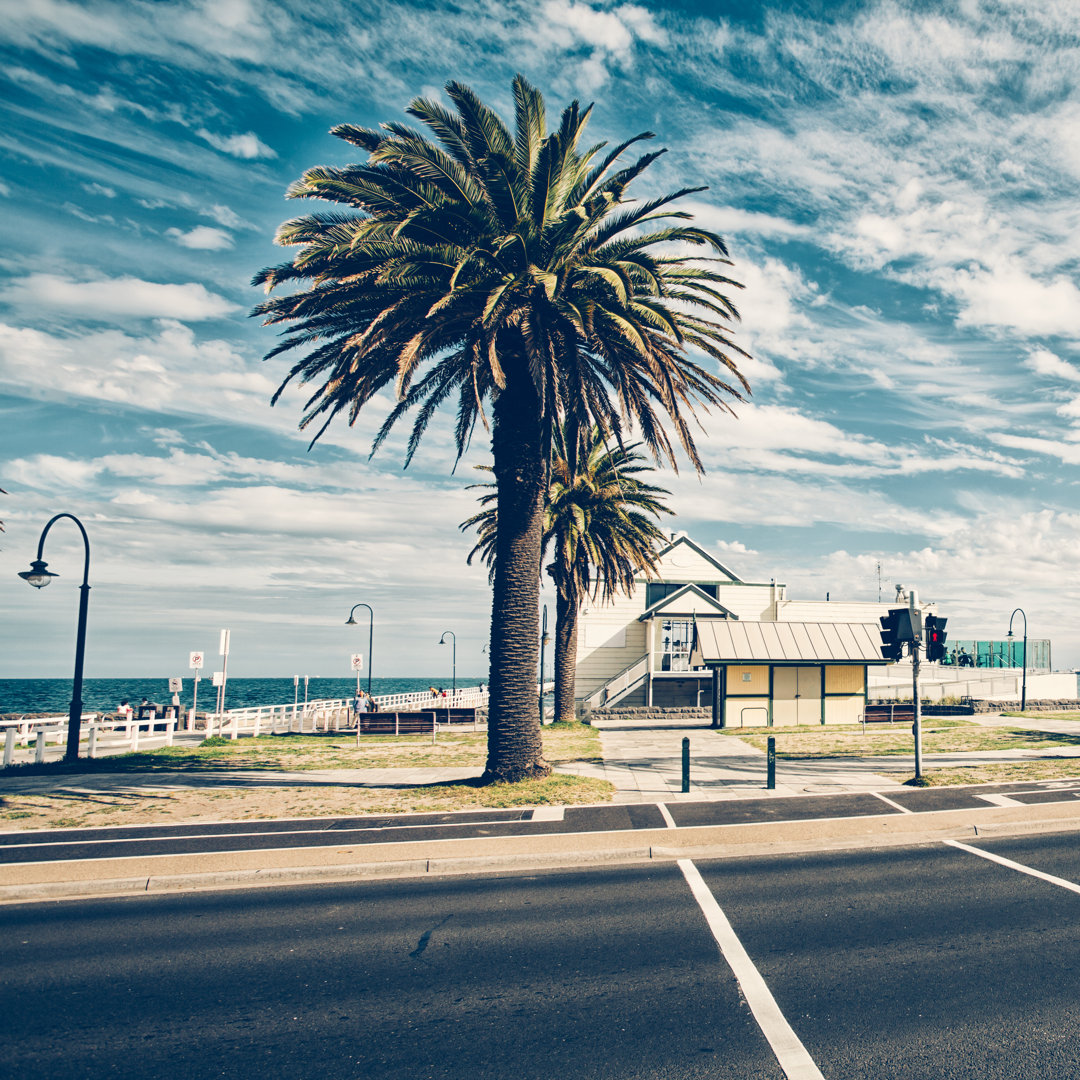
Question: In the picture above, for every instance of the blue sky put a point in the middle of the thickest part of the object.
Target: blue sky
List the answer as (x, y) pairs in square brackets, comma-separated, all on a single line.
[(898, 184)]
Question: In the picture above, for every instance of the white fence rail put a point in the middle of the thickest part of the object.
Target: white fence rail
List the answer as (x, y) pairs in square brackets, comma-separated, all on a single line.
[(332, 714), (99, 735)]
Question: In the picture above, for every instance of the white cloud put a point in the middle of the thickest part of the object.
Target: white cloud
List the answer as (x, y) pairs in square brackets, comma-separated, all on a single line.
[(100, 189), (202, 238), (123, 297), (248, 145), (223, 215), (1044, 362), (1007, 295)]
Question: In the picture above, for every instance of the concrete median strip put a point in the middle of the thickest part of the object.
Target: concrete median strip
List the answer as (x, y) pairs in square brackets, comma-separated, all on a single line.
[(21, 882)]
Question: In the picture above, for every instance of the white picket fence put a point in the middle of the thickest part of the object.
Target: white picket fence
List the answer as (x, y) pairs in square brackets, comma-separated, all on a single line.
[(99, 735)]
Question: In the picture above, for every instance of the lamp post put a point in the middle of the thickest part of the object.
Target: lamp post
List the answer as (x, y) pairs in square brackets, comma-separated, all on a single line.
[(350, 621), (39, 577), (442, 641), (544, 639), (1023, 676)]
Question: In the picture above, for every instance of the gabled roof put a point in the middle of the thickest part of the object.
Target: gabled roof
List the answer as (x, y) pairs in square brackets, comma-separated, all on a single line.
[(721, 641), (697, 549), (675, 604)]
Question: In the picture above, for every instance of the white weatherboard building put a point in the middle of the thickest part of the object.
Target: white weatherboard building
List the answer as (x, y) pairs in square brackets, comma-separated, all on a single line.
[(697, 634)]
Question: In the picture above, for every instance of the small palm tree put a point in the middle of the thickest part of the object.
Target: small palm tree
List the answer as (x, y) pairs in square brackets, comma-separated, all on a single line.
[(486, 267), (599, 519)]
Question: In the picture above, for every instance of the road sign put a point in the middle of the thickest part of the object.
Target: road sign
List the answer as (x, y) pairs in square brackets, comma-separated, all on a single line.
[(195, 661), (357, 661), (175, 686), (218, 679), (223, 646)]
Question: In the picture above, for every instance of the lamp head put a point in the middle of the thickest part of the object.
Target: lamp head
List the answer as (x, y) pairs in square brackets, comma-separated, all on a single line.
[(37, 575), (350, 621)]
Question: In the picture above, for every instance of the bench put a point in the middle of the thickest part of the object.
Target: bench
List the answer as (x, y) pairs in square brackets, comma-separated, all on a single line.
[(902, 714), (398, 723)]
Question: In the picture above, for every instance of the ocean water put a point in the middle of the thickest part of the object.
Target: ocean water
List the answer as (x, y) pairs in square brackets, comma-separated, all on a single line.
[(103, 695)]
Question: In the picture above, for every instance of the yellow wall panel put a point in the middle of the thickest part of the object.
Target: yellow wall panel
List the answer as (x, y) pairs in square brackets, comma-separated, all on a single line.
[(844, 679), (738, 681)]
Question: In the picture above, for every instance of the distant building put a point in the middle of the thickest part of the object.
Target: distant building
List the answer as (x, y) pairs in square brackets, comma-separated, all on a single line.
[(696, 631)]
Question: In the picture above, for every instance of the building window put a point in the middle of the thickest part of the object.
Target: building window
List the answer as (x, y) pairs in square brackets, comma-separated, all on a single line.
[(676, 639), (655, 591)]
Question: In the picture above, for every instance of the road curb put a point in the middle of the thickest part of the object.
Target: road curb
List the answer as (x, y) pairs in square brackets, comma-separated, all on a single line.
[(161, 874)]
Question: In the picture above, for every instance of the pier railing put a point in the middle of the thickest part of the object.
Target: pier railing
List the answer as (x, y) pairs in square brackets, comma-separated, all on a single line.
[(332, 714)]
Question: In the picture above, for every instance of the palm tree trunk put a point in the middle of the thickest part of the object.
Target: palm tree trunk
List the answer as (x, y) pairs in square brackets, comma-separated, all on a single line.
[(515, 748), (566, 624)]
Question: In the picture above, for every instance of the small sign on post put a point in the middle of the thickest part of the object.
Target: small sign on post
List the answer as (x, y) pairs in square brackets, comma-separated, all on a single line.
[(218, 678), (176, 686), (195, 661), (357, 661)]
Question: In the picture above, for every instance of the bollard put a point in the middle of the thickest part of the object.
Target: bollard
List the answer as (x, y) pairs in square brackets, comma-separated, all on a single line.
[(9, 746), (40, 755), (91, 750), (685, 764), (771, 782)]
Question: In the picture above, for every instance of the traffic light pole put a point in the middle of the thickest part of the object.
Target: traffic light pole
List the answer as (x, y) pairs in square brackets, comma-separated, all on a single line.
[(916, 629), (917, 726)]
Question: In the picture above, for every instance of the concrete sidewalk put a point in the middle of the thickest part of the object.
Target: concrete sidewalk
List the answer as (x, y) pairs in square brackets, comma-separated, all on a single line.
[(644, 764)]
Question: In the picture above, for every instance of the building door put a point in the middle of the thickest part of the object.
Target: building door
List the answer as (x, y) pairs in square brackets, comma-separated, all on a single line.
[(796, 695)]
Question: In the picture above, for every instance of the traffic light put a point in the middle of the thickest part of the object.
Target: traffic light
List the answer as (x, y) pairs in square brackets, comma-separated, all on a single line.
[(935, 637), (892, 648)]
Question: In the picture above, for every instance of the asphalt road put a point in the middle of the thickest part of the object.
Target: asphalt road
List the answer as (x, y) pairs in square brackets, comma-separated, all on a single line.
[(102, 843), (927, 962)]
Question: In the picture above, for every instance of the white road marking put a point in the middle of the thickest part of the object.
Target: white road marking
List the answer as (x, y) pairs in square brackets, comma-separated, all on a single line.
[(885, 799), (549, 813), (999, 800), (1071, 886), (665, 813), (790, 1052)]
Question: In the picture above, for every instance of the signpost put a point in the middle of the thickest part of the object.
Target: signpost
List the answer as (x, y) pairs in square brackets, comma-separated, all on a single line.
[(223, 649), (357, 662), (195, 662)]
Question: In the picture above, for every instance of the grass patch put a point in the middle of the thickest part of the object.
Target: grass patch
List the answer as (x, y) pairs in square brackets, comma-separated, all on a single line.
[(939, 735), (79, 808), (303, 753), (1005, 772), (1042, 714)]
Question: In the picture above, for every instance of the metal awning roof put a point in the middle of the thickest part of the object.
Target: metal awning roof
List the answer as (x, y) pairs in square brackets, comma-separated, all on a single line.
[(724, 641)]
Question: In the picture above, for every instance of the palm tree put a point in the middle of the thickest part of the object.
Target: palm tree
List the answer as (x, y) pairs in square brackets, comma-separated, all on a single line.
[(599, 517), (500, 269)]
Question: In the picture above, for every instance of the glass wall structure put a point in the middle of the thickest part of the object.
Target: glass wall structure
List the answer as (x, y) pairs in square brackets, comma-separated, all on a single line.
[(1005, 653)]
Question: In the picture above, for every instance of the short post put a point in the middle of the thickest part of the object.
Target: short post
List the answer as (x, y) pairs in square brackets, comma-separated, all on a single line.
[(134, 735), (770, 782), (434, 726), (40, 754), (685, 764), (170, 730), (92, 748), (9, 746)]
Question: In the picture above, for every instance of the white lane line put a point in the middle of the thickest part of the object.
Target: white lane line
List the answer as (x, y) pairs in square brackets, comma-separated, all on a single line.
[(790, 1052), (999, 800), (885, 799), (1071, 886), (665, 813), (549, 813)]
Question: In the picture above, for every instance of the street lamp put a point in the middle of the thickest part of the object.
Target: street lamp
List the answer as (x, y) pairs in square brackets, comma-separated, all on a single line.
[(1023, 677), (350, 621), (39, 577), (544, 639), (442, 641)]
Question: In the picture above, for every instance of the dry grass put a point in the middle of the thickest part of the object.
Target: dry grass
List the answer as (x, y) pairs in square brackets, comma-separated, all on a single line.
[(62, 809), (938, 736), (1004, 772), (72, 805)]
